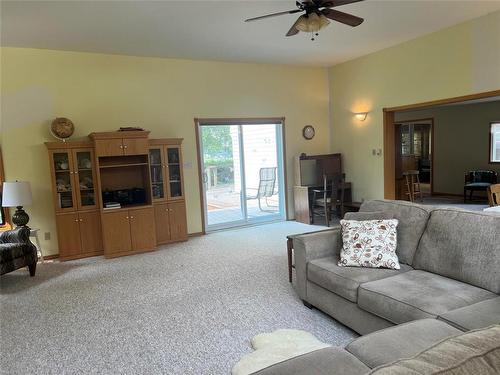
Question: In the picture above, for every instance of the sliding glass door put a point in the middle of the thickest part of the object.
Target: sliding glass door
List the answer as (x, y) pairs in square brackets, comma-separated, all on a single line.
[(242, 172)]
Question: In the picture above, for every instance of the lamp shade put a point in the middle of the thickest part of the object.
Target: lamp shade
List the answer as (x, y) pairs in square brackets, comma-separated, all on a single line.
[(16, 194)]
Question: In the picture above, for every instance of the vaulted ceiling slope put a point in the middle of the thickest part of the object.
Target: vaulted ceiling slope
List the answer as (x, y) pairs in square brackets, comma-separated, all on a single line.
[(214, 30)]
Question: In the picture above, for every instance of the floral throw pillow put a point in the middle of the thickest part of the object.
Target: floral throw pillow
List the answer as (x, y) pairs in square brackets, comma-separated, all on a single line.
[(369, 243)]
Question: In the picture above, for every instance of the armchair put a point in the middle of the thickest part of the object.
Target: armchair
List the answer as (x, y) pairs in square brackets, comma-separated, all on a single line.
[(266, 189), (17, 251), (478, 181)]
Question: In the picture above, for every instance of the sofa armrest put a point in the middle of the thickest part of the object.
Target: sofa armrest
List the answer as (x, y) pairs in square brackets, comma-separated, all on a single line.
[(18, 235), (313, 246)]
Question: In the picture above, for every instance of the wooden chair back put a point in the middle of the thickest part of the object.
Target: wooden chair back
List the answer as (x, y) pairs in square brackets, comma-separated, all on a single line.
[(481, 176), (334, 186), (494, 195)]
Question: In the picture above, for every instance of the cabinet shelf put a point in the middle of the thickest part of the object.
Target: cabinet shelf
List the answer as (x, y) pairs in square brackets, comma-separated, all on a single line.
[(62, 171), (126, 207), (122, 165)]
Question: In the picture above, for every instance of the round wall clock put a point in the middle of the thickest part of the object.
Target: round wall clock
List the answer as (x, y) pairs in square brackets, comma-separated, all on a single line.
[(308, 132)]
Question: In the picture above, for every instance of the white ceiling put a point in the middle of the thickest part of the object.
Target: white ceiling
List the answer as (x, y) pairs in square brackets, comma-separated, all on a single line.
[(214, 30)]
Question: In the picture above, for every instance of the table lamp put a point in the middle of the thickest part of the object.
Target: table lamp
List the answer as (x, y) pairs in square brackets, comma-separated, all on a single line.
[(17, 194)]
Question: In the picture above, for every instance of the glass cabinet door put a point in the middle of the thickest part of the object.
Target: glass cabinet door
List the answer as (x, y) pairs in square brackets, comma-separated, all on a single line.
[(63, 180), (85, 178), (173, 156), (157, 181)]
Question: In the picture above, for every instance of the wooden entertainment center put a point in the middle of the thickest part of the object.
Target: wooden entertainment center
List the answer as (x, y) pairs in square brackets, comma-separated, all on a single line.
[(142, 176)]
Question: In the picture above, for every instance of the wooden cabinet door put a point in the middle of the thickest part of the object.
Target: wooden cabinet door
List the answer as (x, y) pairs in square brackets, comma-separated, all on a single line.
[(68, 235), (85, 179), (178, 223), (135, 146), (174, 173), (162, 222), (90, 231), (157, 173), (116, 232), (63, 181), (142, 228), (109, 147)]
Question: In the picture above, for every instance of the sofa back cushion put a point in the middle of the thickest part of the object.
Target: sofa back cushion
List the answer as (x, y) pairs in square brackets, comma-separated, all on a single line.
[(474, 352), (462, 245), (412, 221)]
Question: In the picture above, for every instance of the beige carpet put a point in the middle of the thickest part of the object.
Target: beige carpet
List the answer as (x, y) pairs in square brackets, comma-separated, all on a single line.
[(189, 308)]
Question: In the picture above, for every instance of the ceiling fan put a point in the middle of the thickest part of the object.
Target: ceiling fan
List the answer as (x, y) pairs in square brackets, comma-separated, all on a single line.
[(316, 16)]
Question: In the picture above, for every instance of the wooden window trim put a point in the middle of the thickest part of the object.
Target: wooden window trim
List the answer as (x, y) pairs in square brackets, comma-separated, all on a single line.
[(490, 148)]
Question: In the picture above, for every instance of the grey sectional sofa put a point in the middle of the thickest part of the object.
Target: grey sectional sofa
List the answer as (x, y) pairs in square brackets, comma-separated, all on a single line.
[(449, 283), (450, 269), (420, 347)]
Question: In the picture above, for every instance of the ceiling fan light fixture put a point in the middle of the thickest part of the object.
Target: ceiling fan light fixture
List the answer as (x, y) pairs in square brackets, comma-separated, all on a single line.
[(311, 23)]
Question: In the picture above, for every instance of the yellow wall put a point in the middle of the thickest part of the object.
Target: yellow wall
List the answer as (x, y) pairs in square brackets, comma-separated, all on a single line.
[(461, 141), (460, 60), (103, 92)]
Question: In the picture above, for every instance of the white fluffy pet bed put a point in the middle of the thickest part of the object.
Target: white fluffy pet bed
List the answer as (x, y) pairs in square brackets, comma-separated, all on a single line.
[(275, 347)]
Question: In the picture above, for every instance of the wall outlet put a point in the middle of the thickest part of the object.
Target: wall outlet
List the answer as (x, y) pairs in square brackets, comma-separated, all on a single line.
[(47, 236)]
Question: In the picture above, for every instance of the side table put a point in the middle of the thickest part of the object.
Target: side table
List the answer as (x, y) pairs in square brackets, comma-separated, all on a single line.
[(34, 233), (289, 250)]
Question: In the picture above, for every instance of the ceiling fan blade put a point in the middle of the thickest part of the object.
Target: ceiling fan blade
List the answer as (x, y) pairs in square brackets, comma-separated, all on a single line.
[(342, 17), (274, 15), (293, 30), (337, 3)]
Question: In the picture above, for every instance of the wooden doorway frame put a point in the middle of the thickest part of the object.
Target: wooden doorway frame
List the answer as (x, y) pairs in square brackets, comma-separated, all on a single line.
[(390, 133), (238, 121)]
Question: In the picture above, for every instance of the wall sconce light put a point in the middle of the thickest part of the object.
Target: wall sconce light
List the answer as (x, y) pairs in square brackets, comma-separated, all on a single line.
[(361, 116)]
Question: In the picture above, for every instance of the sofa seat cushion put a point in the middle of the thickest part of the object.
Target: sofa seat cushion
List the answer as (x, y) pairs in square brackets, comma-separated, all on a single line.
[(345, 281), (478, 315), (417, 295), (402, 341), (472, 353), (478, 184), (326, 361)]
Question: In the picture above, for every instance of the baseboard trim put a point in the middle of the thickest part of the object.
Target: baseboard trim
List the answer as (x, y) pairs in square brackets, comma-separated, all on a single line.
[(56, 256), (49, 257), (439, 194)]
